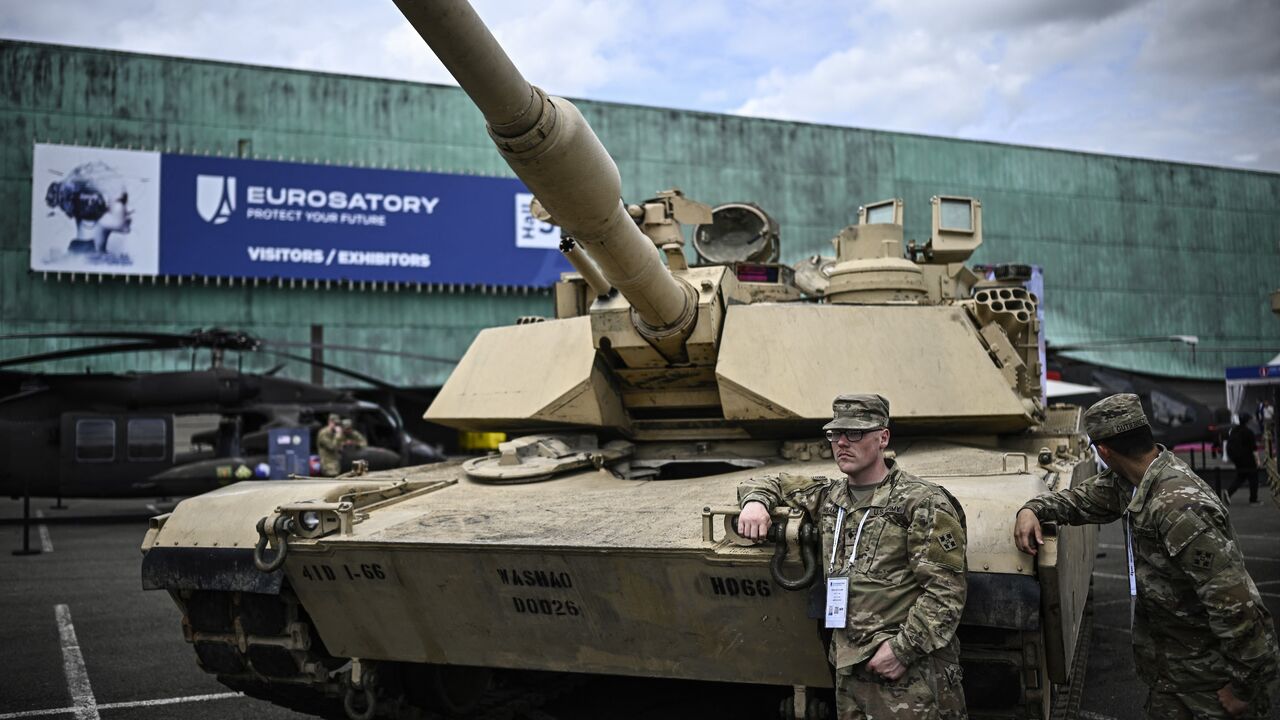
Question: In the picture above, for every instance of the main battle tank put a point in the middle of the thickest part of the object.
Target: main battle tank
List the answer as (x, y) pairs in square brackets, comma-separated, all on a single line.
[(600, 539)]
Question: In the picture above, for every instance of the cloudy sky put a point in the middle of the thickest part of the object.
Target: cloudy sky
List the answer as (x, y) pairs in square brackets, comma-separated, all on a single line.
[(1188, 80)]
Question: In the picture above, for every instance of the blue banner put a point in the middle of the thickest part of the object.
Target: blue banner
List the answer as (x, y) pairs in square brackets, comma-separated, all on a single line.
[(1251, 372), (184, 215)]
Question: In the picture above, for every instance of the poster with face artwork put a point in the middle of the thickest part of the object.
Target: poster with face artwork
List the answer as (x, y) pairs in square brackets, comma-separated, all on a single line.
[(95, 210), (129, 212)]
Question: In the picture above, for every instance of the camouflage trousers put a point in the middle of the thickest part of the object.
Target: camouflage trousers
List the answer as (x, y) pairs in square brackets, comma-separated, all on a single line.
[(1200, 706), (930, 690)]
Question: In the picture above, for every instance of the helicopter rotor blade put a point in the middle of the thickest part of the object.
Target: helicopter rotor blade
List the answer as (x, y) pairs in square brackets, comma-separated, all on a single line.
[(84, 351), (216, 337), (358, 349), (213, 338), (381, 384)]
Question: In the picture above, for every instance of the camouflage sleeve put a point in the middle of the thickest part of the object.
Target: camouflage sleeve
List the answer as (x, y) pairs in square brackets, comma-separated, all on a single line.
[(936, 556), (327, 441), (1094, 501), (1198, 543), (799, 491), (358, 439)]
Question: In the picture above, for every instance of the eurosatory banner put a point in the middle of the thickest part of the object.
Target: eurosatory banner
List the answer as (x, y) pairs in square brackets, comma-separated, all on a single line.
[(125, 212)]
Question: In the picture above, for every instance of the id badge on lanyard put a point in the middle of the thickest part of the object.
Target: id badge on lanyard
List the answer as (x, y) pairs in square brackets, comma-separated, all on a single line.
[(1133, 577), (837, 614)]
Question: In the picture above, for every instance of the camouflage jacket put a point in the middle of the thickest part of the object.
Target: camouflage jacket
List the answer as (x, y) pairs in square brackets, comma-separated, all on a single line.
[(329, 447), (1199, 622), (909, 583)]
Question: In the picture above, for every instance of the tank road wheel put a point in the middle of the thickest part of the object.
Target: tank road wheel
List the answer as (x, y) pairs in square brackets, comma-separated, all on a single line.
[(264, 646)]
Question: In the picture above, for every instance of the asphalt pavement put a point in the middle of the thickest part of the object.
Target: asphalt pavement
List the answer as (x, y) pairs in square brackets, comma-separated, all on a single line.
[(83, 640)]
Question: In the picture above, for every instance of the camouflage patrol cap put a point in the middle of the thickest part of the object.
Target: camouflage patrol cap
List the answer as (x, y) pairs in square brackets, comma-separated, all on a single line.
[(333, 417), (1113, 415), (858, 412), (346, 422)]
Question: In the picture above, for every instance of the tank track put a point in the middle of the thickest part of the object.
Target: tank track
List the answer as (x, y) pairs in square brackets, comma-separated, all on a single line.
[(266, 647), (1066, 699)]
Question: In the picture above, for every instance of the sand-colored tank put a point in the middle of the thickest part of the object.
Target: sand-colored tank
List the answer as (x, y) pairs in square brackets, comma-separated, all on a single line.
[(599, 539)]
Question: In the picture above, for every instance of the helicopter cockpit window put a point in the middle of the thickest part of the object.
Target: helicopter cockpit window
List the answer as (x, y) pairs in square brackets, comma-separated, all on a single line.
[(95, 440), (147, 439)]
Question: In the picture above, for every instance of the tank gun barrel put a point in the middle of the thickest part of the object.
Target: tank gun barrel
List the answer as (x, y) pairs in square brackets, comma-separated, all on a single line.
[(550, 146), (586, 267)]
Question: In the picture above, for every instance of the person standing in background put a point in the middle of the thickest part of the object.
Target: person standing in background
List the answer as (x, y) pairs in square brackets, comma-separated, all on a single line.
[(1242, 446)]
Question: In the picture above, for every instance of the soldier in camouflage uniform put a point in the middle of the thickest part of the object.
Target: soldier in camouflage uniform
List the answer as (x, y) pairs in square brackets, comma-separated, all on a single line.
[(1203, 641), (329, 444), (901, 544)]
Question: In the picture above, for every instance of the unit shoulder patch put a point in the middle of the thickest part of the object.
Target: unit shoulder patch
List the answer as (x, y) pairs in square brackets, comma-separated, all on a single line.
[(946, 542)]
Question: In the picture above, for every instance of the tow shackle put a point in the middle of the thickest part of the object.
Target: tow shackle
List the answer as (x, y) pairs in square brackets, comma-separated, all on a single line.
[(808, 540), (361, 680), (279, 531)]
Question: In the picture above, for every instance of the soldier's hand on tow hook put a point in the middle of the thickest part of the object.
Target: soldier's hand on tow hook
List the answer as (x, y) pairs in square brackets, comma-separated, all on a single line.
[(1234, 706), (885, 664), (754, 521), (1026, 532)]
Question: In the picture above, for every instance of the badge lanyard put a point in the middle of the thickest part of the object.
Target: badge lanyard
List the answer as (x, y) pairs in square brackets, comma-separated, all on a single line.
[(835, 540), (1128, 546), (837, 612)]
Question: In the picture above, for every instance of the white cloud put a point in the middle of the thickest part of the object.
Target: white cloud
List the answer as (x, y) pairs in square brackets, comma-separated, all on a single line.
[(1175, 79), (912, 82)]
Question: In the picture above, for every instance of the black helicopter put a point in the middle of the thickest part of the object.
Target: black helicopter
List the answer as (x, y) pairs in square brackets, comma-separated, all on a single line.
[(121, 435)]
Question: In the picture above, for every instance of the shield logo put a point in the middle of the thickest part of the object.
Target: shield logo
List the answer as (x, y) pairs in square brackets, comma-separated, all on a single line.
[(215, 198)]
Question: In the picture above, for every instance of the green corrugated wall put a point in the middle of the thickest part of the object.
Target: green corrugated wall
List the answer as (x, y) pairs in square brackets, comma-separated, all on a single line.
[(1129, 247)]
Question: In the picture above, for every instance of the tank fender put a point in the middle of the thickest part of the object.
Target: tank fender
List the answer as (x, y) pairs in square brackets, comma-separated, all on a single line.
[(196, 568)]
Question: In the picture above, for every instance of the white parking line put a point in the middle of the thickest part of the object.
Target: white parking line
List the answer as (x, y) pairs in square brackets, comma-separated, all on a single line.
[(1090, 715), (84, 705), (46, 544), (1110, 576), (119, 705), (171, 701)]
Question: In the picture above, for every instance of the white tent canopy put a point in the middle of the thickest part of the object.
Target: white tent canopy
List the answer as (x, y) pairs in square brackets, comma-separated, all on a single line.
[(1061, 388), (1247, 386)]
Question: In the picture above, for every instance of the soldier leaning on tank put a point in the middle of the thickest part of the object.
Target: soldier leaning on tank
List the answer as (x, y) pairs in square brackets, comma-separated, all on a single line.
[(329, 444), (899, 544), (1203, 641)]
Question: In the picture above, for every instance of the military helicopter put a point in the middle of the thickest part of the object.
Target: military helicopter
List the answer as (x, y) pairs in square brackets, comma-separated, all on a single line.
[(1176, 417), (123, 435)]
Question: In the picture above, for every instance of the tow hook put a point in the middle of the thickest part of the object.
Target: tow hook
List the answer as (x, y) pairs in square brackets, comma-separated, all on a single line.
[(360, 684), (807, 538), (279, 532)]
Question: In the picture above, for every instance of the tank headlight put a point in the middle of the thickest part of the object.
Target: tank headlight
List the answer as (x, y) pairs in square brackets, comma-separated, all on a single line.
[(309, 520)]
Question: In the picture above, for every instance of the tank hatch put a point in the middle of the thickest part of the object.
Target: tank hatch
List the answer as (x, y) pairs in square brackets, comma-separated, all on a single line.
[(539, 457)]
